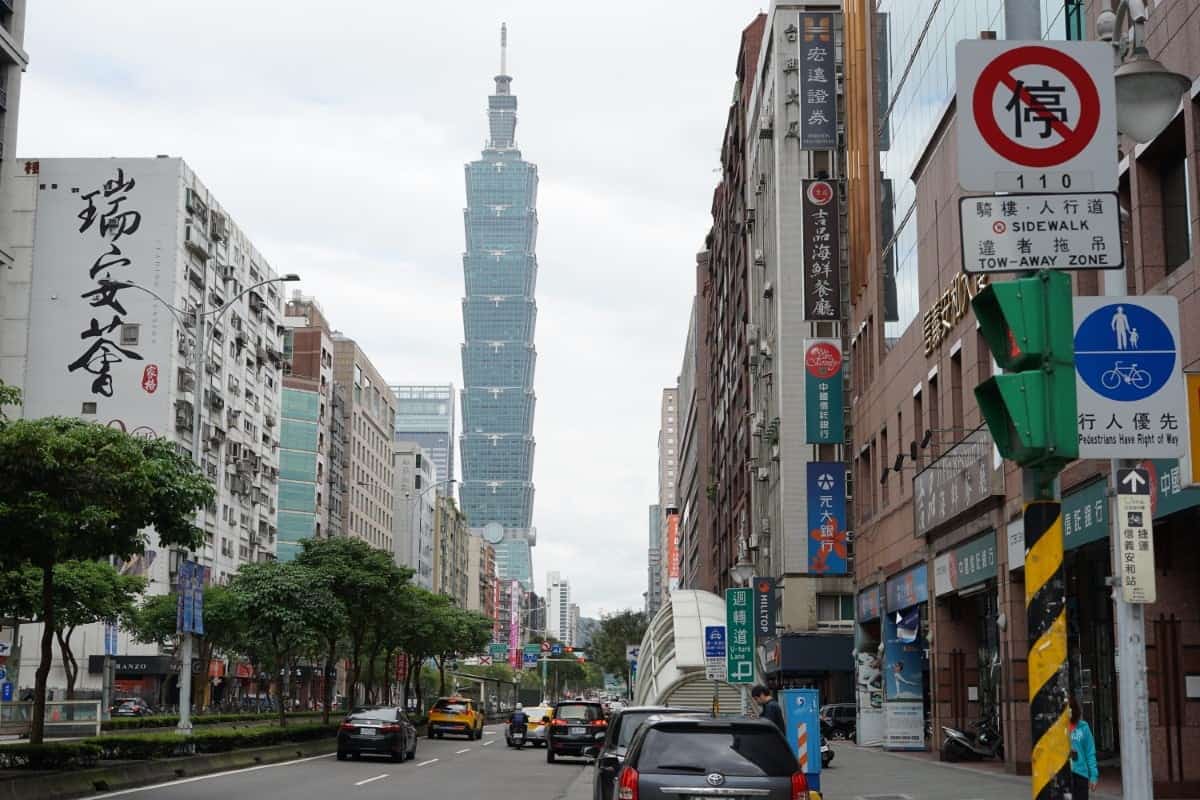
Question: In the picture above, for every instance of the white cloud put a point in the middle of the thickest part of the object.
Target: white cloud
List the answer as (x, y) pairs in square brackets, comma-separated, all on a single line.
[(336, 135)]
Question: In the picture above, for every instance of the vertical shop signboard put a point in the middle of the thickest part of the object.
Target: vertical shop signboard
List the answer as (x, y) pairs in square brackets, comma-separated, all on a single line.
[(903, 681), (823, 411), (739, 626), (764, 607), (827, 539), (1135, 521), (801, 715), (822, 251), (816, 95)]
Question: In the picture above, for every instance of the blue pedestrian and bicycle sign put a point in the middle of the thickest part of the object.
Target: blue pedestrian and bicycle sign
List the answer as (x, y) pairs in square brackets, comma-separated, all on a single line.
[(1129, 382)]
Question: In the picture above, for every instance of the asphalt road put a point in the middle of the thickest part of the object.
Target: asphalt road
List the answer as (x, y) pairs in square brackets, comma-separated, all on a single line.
[(443, 768)]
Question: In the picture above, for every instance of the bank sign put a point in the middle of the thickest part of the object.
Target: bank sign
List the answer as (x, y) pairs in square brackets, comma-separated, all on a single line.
[(827, 538), (824, 420)]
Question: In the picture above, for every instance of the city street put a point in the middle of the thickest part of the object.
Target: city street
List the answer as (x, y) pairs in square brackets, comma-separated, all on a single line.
[(444, 768)]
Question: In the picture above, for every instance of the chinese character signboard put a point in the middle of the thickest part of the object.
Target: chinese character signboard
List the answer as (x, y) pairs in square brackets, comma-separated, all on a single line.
[(1019, 232), (1085, 519), (827, 539), (764, 607), (714, 653), (672, 551), (817, 94), (1129, 385), (101, 225), (965, 475), (739, 637), (950, 307), (1135, 522), (1036, 117), (823, 391), (907, 588), (966, 565), (822, 252), (514, 624), (870, 601)]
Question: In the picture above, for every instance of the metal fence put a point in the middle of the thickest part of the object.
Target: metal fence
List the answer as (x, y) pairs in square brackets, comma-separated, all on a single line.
[(65, 719)]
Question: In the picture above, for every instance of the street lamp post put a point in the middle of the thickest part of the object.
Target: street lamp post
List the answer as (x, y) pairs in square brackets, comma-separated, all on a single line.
[(199, 351), (1148, 96)]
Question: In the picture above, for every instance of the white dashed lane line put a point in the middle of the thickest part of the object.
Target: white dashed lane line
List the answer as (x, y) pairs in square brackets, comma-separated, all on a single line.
[(372, 780), (460, 752), (427, 763), (489, 741)]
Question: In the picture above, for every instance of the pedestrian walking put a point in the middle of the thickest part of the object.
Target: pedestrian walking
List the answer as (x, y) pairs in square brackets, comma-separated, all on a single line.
[(1084, 772), (768, 706)]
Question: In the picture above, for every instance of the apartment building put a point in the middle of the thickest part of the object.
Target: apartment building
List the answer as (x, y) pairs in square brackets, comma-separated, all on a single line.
[(416, 476), (451, 551)]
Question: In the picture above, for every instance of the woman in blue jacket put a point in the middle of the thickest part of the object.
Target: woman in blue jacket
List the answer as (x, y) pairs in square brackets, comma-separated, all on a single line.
[(1084, 772)]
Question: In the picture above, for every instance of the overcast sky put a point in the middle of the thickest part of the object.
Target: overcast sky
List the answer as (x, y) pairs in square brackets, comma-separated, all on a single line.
[(336, 134)]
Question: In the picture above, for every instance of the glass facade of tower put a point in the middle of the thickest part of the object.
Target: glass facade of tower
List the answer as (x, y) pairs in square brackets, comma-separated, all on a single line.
[(499, 314), (425, 415)]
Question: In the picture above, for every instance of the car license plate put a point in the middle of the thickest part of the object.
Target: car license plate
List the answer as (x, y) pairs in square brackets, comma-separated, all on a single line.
[(366, 731), (579, 731)]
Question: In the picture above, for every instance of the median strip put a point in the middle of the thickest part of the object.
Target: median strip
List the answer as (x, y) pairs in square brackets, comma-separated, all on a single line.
[(372, 780)]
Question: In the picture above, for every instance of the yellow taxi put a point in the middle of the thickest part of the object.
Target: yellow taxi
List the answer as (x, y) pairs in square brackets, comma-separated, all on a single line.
[(535, 731), (457, 715)]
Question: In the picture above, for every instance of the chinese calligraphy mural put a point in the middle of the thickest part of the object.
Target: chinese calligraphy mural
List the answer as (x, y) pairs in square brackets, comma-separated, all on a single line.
[(827, 538), (818, 82), (96, 342), (822, 252), (823, 392)]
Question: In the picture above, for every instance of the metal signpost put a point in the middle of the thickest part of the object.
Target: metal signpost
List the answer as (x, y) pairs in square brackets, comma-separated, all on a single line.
[(714, 662)]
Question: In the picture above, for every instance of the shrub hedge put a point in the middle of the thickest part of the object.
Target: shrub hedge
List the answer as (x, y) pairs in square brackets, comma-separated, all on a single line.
[(55, 755), (170, 720), (220, 740)]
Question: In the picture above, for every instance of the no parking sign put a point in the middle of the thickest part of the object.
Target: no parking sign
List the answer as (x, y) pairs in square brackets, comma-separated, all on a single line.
[(1036, 117)]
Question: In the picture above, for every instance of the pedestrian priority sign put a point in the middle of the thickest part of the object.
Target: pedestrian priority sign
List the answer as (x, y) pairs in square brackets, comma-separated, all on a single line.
[(1036, 116), (1129, 384)]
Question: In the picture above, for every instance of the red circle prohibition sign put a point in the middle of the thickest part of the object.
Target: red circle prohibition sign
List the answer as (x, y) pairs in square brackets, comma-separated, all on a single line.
[(999, 73)]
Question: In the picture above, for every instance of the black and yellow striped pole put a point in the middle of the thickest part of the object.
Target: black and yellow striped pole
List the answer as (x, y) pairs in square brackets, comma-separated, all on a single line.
[(1045, 606)]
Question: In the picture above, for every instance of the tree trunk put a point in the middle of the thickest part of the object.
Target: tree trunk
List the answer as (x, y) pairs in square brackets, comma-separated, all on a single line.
[(37, 727), (327, 682), (283, 684), (441, 662), (70, 665), (355, 671)]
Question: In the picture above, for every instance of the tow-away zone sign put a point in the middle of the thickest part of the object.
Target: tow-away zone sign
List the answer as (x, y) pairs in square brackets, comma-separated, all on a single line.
[(1020, 232)]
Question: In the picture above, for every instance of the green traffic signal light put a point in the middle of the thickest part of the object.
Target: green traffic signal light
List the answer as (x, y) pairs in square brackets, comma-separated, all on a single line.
[(1031, 412)]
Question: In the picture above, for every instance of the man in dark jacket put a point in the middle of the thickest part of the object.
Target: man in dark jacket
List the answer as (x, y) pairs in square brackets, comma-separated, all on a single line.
[(768, 707)]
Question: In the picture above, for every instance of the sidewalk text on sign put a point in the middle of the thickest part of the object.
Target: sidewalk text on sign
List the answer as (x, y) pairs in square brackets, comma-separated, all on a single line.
[(1019, 232), (1036, 117)]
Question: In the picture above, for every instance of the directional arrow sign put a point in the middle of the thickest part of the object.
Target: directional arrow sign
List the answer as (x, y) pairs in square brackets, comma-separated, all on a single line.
[(1134, 481)]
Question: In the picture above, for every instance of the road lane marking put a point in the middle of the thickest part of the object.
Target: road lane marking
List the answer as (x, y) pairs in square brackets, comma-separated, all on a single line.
[(370, 780), (427, 763), (124, 792), (489, 741), (460, 752)]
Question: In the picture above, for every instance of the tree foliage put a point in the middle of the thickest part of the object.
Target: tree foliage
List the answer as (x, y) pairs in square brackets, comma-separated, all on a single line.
[(615, 633), (76, 491), (9, 396)]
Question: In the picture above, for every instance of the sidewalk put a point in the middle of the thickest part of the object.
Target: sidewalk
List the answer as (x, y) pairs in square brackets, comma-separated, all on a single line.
[(867, 771)]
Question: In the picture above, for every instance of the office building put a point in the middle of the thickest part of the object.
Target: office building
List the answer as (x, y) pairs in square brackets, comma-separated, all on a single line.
[(425, 416), (558, 607), (15, 276), (481, 577), (451, 550), (498, 357), (668, 487), (696, 562), (939, 541), (415, 489), (370, 419), (101, 349)]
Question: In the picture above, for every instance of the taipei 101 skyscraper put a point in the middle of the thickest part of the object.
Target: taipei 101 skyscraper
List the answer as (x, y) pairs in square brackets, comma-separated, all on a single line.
[(499, 314)]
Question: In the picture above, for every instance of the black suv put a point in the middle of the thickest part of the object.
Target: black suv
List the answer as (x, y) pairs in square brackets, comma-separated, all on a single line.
[(621, 729), (575, 728), (673, 756), (839, 720)]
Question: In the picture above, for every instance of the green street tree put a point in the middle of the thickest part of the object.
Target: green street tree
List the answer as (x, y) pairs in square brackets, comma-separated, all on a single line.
[(87, 592), (462, 632), (9, 396), (280, 604), (421, 637), (76, 491), (615, 633)]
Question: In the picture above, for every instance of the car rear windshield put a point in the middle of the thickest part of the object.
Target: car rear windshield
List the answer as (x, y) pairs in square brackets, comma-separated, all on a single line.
[(631, 721), (449, 707), (577, 712), (740, 750), (380, 714)]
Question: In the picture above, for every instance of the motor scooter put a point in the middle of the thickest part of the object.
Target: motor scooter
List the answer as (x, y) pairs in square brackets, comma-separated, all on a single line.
[(515, 736), (985, 743)]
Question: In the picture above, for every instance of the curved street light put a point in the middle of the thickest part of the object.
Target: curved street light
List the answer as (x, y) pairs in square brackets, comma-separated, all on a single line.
[(1148, 93)]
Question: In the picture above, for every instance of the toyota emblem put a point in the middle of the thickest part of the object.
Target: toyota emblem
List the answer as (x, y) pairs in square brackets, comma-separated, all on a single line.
[(715, 779)]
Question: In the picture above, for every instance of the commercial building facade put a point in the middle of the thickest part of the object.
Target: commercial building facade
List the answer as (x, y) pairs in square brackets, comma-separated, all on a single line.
[(425, 415), (939, 541), (558, 607), (654, 568), (451, 551), (416, 478), (370, 420), (498, 357), (695, 505), (481, 577), (94, 346), (13, 61), (668, 488)]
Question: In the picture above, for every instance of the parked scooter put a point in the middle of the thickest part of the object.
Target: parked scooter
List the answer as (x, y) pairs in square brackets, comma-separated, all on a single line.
[(984, 743), (826, 753)]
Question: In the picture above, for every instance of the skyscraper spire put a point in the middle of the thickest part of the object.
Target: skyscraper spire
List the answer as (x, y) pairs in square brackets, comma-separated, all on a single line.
[(503, 48)]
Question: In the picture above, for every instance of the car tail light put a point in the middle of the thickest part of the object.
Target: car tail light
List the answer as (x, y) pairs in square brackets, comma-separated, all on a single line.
[(799, 786), (390, 728), (600, 723), (558, 723), (627, 784), (346, 726)]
